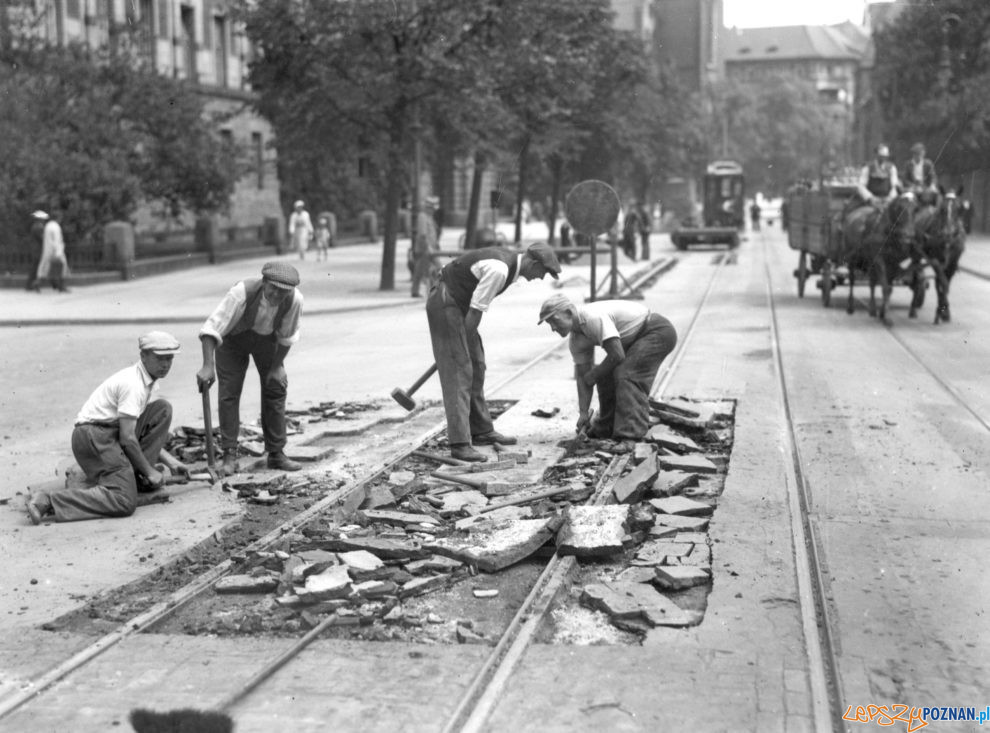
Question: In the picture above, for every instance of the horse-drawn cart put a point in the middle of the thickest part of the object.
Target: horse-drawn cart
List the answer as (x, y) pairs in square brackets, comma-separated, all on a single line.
[(814, 229)]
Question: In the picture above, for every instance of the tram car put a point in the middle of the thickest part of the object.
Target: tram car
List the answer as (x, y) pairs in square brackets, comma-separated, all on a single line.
[(723, 209)]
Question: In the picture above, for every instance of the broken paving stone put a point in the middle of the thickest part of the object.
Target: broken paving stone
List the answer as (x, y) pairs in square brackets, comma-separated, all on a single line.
[(456, 500), (466, 636), (485, 592), (636, 574), (500, 544), (672, 441), (593, 531), (627, 601), (681, 505), (246, 584), (701, 556), (394, 616), (660, 532), (432, 618), (631, 487), (372, 589), (253, 447), (671, 483), (401, 478), (317, 556), (400, 519), (696, 538), (361, 561), (378, 496), (334, 582), (656, 552), (436, 563), (264, 498), (676, 521), (696, 463), (642, 451), (678, 577), (418, 586), (386, 549)]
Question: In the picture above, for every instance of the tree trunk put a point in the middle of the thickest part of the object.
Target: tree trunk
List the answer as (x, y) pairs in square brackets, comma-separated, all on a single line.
[(393, 194), (521, 188), (474, 204), (557, 167)]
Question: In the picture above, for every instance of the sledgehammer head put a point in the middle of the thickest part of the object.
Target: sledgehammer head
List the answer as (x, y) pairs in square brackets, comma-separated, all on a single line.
[(400, 396)]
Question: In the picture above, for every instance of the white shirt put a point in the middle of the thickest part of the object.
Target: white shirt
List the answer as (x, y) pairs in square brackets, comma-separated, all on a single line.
[(601, 320), (126, 393), (492, 275), (232, 307)]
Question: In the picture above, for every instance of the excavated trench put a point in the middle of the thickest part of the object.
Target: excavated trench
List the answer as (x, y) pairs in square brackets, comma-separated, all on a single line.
[(428, 560)]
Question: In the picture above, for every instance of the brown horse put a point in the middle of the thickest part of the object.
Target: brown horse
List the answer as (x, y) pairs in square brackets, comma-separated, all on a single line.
[(941, 238), (876, 241)]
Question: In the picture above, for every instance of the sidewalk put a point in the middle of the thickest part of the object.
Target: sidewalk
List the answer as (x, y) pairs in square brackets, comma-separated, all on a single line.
[(347, 281)]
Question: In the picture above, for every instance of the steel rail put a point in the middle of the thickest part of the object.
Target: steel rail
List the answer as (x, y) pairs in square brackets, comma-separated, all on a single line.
[(206, 580), (823, 669)]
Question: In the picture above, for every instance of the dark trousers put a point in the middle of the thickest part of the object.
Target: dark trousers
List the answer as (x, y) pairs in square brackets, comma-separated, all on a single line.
[(98, 452), (461, 366), (644, 238), (624, 395), (232, 362), (32, 281)]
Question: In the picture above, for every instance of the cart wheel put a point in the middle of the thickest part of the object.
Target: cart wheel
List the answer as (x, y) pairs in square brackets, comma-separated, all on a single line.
[(827, 283), (802, 273)]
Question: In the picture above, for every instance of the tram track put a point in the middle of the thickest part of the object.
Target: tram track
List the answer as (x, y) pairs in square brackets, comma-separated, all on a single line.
[(549, 581)]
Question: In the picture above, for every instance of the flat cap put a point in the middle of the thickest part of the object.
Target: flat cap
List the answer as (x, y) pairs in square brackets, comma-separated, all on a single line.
[(918, 148), (543, 253), (159, 342), (554, 304), (280, 274)]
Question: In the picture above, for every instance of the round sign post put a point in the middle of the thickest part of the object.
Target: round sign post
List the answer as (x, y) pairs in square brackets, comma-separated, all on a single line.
[(592, 208)]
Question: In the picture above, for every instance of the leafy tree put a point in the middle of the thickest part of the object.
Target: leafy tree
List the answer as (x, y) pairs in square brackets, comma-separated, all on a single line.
[(932, 78), (91, 136)]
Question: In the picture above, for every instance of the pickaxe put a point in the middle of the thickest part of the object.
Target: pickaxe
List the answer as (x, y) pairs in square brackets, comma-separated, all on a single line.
[(404, 397)]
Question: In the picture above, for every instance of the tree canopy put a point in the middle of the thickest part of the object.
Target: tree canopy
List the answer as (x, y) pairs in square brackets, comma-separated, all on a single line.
[(90, 136), (932, 79)]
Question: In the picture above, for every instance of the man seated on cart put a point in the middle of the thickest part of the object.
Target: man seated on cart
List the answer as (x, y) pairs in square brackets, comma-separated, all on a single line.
[(920, 177), (878, 182)]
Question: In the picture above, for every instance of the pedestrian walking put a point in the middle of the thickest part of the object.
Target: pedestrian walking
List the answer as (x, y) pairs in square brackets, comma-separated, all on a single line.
[(454, 308), (257, 319), (53, 266), (754, 215), (645, 228), (635, 340), (119, 441), (323, 238), (300, 229), (630, 230), (38, 221), (425, 244), (438, 213)]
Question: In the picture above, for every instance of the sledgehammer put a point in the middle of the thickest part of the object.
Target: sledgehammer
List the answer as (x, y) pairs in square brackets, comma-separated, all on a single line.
[(404, 397)]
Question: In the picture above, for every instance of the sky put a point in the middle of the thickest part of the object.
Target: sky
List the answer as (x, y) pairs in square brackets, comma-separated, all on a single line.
[(765, 13)]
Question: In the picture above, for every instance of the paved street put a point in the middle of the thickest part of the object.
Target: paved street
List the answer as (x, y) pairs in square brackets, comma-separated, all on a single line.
[(895, 467)]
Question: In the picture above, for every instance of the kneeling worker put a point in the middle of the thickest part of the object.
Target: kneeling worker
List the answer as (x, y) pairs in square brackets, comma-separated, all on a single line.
[(636, 342), (119, 441)]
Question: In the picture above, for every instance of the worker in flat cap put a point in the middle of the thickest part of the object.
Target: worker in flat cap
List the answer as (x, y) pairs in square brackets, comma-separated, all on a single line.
[(635, 340), (257, 319), (920, 176), (463, 293), (119, 441)]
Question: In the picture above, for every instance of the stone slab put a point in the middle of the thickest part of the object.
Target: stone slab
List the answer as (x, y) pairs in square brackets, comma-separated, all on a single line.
[(631, 487), (500, 544), (681, 505), (334, 582), (246, 584), (678, 577), (656, 552), (307, 452), (386, 549), (673, 441), (671, 483), (696, 463), (629, 601), (677, 521), (593, 531), (400, 519)]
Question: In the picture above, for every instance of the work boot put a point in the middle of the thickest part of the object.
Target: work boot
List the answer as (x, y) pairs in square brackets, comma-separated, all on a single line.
[(39, 506), (492, 438), (464, 452), (230, 465), (281, 462)]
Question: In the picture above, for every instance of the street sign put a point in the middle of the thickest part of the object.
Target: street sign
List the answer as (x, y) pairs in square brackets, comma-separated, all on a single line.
[(592, 207)]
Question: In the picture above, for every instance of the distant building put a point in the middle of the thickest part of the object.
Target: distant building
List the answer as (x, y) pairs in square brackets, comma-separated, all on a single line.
[(193, 40), (687, 36)]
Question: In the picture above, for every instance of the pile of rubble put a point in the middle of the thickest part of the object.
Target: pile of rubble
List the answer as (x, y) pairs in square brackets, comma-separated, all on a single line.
[(427, 528)]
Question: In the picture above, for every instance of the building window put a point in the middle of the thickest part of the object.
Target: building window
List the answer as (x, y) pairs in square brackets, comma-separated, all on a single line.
[(258, 147), (164, 9), (146, 29), (220, 50), (187, 21), (72, 9)]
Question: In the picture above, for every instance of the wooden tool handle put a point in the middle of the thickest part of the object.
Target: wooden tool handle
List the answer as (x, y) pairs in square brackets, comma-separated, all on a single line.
[(474, 483), (419, 382)]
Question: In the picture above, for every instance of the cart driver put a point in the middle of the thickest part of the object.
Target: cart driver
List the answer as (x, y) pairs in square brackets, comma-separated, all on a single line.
[(920, 176), (878, 182)]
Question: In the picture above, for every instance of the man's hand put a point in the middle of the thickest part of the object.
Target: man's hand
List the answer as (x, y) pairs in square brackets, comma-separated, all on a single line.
[(277, 375), (590, 377), (180, 469), (205, 378), (583, 422), (155, 478)]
